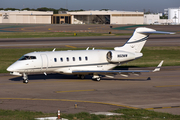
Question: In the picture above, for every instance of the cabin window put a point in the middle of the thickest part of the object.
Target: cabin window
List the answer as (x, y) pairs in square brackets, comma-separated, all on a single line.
[(80, 59), (86, 58), (61, 59), (55, 60), (27, 57), (73, 58), (67, 59)]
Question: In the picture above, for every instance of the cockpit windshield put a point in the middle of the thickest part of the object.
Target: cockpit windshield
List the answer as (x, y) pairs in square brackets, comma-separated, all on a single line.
[(27, 57)]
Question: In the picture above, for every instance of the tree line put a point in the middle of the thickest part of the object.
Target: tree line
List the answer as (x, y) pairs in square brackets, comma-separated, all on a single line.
[(55, 11)]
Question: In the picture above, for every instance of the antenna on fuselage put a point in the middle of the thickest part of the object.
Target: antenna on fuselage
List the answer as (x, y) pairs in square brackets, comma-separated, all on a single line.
[(54, 49), (93, 48), (87, 48)]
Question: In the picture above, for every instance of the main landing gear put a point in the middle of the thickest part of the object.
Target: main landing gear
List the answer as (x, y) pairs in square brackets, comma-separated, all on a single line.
[(25, 78), (96, 77), (81, 76)]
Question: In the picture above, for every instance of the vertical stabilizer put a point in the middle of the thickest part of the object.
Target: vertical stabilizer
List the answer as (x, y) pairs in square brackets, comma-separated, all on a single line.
[(137, 41)]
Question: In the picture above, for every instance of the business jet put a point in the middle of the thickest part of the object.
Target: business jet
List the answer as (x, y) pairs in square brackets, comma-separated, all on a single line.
[(95, 62)]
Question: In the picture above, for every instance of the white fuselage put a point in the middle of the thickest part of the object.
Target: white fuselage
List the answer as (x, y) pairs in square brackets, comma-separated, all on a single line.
[(67, 61)]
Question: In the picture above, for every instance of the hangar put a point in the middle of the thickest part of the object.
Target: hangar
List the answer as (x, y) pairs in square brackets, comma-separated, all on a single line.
[(98, 17), (78, 17), (39, 17)]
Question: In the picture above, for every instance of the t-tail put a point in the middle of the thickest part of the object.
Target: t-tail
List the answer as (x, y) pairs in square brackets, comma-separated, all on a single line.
[(138, 39)]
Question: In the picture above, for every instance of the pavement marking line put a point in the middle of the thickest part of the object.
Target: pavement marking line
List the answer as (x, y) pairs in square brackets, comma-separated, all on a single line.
[(75, 91), (46, 82), (168, 86), (66, 100), (70, 46), (162, 107), (11, 83)]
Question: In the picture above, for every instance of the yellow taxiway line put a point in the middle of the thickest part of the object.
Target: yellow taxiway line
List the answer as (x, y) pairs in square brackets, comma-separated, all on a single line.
[(66, 100), (39, 82), (168, 86), (162, 107), (70, 46), (75, 91), (69, 101)]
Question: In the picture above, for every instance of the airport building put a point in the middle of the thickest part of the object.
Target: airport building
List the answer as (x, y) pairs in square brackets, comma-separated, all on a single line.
[(33, 17), (151, 18), (98, 17), (80, 17)]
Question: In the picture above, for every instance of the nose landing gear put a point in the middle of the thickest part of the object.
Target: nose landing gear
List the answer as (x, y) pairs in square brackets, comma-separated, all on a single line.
[(25, 78)]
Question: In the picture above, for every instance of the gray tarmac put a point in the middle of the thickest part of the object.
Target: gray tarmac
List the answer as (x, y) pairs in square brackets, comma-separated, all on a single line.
[(101, 41), (94, 28), (153, 91)]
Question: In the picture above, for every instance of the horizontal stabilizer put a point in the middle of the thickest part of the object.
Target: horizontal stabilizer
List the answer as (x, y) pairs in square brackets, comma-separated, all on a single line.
[(156, 32)]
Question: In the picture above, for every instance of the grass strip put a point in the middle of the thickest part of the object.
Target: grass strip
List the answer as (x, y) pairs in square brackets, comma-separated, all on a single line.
[(53, 34), (129, 114), (153, 55)]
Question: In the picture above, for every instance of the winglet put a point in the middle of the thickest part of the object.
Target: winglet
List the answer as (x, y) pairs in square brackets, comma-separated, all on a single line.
[(158, 67)]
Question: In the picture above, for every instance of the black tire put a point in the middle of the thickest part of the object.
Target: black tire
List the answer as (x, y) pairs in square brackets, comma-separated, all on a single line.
[(25, 81)]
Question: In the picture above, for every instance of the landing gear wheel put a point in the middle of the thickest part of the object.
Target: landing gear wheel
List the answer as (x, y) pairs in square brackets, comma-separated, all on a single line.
[(98, 79), (82, 76), (25, 78), (25, 81)]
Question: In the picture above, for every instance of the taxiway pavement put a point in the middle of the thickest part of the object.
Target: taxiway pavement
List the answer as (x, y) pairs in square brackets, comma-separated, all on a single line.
[(101, 41), (52, 92)]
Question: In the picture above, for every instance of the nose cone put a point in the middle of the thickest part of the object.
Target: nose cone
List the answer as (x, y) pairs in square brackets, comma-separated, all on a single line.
[(10, 68), (13, 67)]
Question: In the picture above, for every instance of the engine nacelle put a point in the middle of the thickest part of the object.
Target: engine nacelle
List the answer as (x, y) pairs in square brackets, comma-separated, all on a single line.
[(119, 56)]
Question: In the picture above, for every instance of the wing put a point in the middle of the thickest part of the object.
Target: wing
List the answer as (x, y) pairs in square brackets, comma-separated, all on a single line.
[(122, 72)]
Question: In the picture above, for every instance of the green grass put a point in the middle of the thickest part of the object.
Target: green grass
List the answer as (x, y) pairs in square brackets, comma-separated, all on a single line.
[(129, 114), (21, 115), (152, 56), (50, 34)]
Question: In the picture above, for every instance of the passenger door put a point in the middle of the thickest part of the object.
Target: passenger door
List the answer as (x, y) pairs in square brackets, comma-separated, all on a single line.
[(44, 65)]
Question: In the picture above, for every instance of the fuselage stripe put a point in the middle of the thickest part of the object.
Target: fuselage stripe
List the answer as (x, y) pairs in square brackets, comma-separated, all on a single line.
[(67, 66), (141, 40)]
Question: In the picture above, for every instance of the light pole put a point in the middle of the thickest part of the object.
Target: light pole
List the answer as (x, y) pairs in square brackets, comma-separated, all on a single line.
[(175, 17)]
